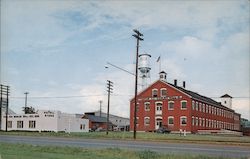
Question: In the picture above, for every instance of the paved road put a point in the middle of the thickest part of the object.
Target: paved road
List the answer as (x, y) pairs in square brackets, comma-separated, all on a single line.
[(177, 148)]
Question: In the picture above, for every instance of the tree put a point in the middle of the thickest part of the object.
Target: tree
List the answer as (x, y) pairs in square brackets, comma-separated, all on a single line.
[(29, 110)]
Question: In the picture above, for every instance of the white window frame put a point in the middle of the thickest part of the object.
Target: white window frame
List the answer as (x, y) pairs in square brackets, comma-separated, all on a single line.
[(153, 92), (169, 103), (32, 124), (183, 101), (145, 118), (161, 92), (145, 103), (193, 121), (181, 120), (170, 117), (9, 124)]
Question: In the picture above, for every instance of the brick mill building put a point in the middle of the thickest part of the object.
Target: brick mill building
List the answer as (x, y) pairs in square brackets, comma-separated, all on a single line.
[(163, 104)]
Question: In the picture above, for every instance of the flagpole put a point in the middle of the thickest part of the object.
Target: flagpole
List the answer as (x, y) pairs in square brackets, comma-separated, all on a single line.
[(160, 65)]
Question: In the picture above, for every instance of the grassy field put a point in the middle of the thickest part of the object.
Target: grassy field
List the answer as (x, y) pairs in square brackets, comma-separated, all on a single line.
[(23, 151), (215, 139)]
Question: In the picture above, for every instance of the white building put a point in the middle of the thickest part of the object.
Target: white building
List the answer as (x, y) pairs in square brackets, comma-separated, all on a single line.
[(46, 120)]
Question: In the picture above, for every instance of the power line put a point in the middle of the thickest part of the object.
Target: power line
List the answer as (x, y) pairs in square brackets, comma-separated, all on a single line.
[(97, 95)]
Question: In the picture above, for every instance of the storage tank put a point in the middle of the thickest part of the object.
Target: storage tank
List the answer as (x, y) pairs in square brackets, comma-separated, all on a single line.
[(144, 68)]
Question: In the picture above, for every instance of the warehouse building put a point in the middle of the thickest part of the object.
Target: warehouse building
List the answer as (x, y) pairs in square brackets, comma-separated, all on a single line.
[(163, 104), (99, 119), (46, 120)]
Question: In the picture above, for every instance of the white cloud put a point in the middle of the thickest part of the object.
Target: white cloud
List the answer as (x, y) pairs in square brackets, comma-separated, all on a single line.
[(188, 46), (242, 106)]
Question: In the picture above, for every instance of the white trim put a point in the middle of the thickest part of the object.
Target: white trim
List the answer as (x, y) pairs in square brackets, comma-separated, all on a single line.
[(173, 120), (181, 121), (183, 101), (161, 92), (168, 105), (154, 89), (147, 110), (145, 119), (176, 89), (138, 94), (158, 117)]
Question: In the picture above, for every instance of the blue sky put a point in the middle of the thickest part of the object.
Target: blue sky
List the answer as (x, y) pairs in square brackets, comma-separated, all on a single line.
[(59, 48)]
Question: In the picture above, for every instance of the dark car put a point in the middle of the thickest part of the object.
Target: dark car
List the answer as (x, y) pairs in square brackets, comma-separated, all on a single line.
[(163, 130)]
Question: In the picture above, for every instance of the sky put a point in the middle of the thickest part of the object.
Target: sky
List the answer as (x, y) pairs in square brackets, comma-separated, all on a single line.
[(57, 50)]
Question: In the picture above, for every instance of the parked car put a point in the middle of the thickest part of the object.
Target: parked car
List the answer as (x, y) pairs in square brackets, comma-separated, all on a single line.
[(163, 130)]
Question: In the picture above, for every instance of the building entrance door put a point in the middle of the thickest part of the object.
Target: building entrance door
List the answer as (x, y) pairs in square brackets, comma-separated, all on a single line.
[(158, 123)]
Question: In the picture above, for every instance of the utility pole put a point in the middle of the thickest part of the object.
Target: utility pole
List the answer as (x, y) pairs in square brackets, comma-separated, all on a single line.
[(25, 106), (1, 98), (138, 36), (110, 85), (4, 90), (100, 101)]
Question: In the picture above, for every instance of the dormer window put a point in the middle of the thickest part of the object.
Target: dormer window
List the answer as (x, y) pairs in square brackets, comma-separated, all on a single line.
[(154, 93)]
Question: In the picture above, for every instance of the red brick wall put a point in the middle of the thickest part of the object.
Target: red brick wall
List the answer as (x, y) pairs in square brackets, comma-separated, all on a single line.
[(176, 113)]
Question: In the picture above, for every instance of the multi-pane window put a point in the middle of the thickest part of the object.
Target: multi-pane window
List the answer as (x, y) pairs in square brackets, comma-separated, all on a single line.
[(197, 121), (193, 105), (206, 108), (147, 106), (32, 124), (183, 120), (163, 92), (183, 104), (158, 106), (170, 120), (171, 105), (193, 120), (9, 124), (146, 121), (196, 106), (203, 108), (200, 107), (19, 124), (154, 92)]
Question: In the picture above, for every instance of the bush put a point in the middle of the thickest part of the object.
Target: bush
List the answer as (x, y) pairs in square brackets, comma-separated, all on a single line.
[(147, 154)]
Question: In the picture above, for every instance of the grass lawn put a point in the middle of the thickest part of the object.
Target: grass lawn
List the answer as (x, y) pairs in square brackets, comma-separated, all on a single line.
[(23, 151), (232, 140)]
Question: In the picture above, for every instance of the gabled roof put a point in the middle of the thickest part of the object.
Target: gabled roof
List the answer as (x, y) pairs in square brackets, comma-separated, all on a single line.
[(226, 96), (94, 118), (199, 97), (192, 94)]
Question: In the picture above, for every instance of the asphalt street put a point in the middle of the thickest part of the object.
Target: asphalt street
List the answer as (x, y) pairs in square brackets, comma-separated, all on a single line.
[(163, 147)]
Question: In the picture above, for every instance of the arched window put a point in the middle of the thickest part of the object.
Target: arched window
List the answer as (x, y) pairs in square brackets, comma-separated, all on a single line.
[(171, 105), (163, 92), (146, 121), (170, 120), (154, 92), (147, 106), (183, 120), (184, 104)]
